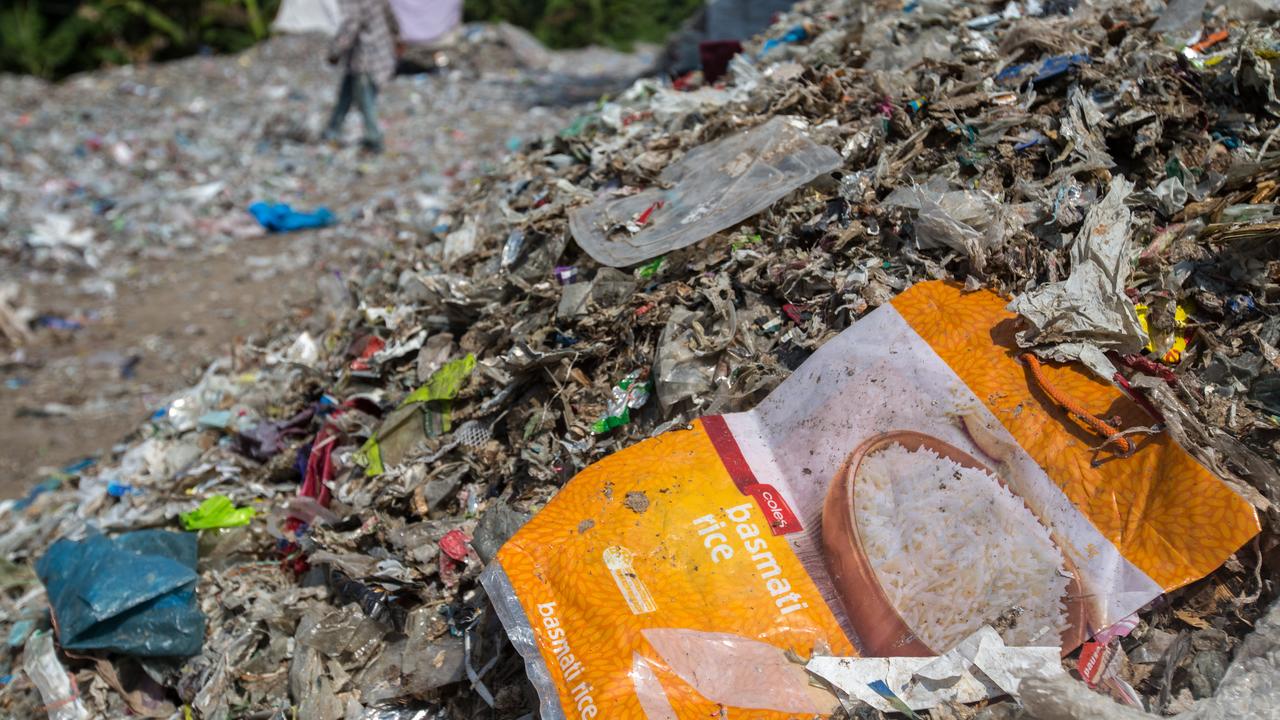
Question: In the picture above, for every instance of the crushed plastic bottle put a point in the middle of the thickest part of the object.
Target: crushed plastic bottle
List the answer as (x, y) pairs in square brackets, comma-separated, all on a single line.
[(57, 686)]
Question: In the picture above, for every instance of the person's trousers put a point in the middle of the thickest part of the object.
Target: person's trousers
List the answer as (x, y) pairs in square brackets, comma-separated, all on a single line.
[(360, 88)]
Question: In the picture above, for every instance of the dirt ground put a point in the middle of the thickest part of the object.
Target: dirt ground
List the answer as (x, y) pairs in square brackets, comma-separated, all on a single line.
[(77, 392)]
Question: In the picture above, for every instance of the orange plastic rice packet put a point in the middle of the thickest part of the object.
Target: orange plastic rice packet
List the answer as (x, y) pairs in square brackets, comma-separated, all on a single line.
[(907, 485)]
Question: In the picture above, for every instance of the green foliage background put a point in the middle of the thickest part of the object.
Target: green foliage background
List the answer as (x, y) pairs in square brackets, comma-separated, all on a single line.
[(573, 23), (54, 38)]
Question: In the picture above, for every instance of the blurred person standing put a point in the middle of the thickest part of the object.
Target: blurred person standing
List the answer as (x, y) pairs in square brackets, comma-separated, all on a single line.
[(365, 46)]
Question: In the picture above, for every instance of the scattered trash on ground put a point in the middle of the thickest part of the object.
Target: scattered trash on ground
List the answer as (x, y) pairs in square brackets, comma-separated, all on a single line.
[(1070, 207)]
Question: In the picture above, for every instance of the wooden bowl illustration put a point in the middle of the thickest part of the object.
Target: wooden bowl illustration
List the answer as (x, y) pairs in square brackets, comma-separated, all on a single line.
[(881, 629)]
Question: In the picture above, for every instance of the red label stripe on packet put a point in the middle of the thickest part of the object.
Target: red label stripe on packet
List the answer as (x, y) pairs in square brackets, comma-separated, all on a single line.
[(781, 518)]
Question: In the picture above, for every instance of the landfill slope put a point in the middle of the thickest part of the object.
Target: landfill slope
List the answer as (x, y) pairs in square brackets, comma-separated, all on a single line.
[(1081, 159), (125, 239)]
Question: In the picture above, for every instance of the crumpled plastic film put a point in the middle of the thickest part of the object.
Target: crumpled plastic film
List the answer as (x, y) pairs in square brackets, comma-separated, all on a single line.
[(679, 372), (1088, 313), (711, 188), (152, 614), (969, 222), (57, 686)]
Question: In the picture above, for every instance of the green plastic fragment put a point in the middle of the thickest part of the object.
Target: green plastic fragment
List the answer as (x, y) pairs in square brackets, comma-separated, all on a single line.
[(217, 512), (578, 126), (370, 456), (631, 393), (431, 416), (650, 268), (444, 383), (609, 422)]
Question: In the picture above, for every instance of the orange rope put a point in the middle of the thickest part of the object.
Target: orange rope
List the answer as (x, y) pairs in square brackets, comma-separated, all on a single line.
[(1095, 423), (1210, 41)]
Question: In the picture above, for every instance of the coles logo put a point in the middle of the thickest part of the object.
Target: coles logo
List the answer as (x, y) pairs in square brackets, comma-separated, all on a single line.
[(781, 519)]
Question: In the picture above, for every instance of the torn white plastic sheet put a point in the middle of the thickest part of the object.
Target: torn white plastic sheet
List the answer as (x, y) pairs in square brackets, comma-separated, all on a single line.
[(308, 16), (971, 222), (56, 237), (201, 194), (1081, 128), (423, 21), (400, 348), (59, 231), (713, 187), (304, 351), (1087, 314), (1247, 692), (980, 667), (460, 242)]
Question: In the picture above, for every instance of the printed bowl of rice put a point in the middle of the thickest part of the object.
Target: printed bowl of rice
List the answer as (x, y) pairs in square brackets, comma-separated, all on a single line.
[(925, 544)]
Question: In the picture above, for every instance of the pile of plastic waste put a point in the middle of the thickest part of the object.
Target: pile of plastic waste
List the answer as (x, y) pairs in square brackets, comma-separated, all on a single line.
[(327, 504)]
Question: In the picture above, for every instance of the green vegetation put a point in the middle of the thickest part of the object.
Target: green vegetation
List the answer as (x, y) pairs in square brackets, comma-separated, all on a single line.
[(573, 23), (54, 38)]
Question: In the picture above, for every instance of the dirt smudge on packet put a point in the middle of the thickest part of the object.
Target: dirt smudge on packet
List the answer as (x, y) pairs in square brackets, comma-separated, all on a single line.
[(637, 501)]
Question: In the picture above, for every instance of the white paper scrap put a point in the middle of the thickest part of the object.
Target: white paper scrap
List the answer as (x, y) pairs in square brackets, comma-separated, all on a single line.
[(980, 667)]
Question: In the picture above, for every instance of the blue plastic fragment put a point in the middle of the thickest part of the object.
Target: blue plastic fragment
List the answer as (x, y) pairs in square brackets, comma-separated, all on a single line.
[(1038, 139), (116, 489), (1050, 68), (134, 594), (882, 689), (279, 217), (1054, 66), (19, 632), (217, 419), (1241, 303), (794, 35), (1230, 142), (1010, 73), (55, 322), (37, 491), (80, 465)]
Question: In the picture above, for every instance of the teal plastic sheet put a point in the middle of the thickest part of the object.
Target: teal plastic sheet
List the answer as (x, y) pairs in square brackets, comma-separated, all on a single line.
[(133, 594)]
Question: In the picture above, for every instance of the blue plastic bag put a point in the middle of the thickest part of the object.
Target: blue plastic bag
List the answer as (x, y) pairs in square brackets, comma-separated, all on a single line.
[(133, 594), (279, 217)]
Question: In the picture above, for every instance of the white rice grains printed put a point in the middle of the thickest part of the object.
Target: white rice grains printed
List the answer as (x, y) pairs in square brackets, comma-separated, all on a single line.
[(954, 550)]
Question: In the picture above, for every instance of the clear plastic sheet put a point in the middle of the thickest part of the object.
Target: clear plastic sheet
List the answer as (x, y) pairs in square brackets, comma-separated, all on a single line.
[(713, 187)]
